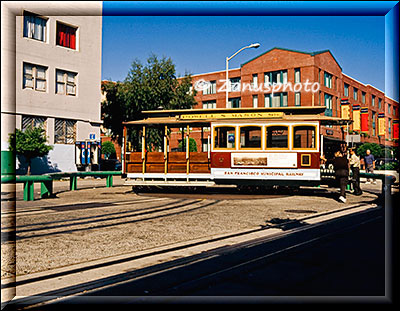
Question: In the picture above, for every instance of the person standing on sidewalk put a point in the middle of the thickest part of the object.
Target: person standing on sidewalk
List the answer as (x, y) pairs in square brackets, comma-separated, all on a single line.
[(354, 162), (341, 167), (369, 161)]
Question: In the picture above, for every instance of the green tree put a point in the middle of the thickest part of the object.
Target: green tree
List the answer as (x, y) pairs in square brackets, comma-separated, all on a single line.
[(114, 108), (108, 149), (376, 150), (30, 143), (192, 145), (147, 87)]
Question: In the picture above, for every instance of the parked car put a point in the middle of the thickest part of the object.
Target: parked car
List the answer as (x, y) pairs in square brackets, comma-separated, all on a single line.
[(110, 165)]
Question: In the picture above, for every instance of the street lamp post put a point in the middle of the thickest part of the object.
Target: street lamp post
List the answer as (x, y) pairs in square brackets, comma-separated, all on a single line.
[(255, 46)]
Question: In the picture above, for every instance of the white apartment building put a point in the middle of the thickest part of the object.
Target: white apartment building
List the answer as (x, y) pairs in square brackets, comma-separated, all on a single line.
[(51, 75)]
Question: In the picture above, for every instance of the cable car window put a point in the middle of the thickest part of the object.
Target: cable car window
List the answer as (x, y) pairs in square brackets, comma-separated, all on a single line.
[(277, 136), (304, 137), (224, 137), (250, 137)]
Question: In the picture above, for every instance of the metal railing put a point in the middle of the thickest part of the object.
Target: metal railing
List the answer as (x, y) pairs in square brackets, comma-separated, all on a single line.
[(387, 180), (46, 188), (46, 181)]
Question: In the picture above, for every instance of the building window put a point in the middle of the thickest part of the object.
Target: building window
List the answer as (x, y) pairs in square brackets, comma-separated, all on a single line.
[(212, 88), (284, 76), (224, 137), (355, 93), (379, 103), (297, 75), (304, 137), (373, 123), (267, 100), (65, 82), (272, 77), (255, 101), (66, 36), (363, 97), (29, 78), (209, 104), (250, 137), (328, 105), (328, 80), (336, 104), (35, 27), (234, 85), (389, 109), (204, 145), (254, 81), (373, 100), (267, 79), (297, 99), (234, 102), (346, 89), (33, 122), (65, 131), (34, 77), (277, 136), (284, 102), (276, 100)]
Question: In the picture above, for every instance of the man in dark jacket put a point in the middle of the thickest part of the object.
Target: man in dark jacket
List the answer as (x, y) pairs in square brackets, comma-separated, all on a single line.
[(341, 167)]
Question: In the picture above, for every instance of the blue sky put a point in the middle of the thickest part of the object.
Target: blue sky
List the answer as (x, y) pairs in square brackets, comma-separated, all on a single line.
[(198, 44)]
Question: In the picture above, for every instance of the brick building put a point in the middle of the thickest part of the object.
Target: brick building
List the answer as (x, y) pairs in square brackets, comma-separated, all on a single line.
[(322, 82)]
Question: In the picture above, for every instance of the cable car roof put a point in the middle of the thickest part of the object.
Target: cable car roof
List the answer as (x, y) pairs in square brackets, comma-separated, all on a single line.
[(203, 117)]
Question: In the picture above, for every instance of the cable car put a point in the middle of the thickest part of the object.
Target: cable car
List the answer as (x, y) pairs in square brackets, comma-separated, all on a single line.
[(240, 146)]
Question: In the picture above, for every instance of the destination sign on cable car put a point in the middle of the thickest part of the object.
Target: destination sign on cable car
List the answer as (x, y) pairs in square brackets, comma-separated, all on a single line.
[(233, 115)]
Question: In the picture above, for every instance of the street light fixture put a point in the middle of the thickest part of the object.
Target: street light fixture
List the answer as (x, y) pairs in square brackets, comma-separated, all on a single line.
[(255, 46)]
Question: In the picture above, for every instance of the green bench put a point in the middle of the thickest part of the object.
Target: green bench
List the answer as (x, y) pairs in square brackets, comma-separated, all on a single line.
[(46, 181)]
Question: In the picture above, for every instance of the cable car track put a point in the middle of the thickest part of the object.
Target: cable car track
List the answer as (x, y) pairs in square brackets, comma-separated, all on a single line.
[(142, 276), (103, 223)]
